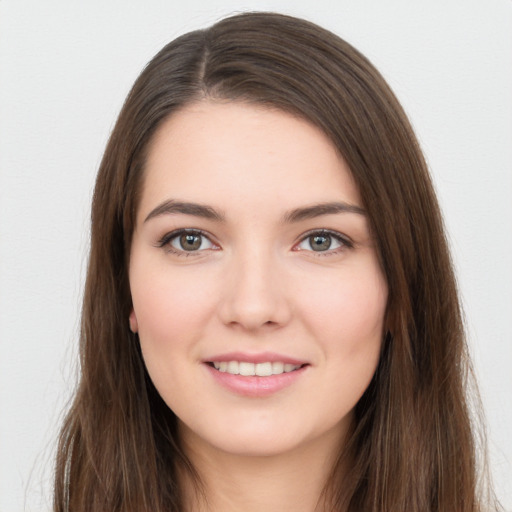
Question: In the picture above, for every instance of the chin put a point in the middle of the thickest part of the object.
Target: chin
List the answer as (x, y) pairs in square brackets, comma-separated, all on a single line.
[(253, 439), (268, 446)]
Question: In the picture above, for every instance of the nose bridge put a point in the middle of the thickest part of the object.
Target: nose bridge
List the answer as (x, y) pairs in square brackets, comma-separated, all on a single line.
[(254, 295)]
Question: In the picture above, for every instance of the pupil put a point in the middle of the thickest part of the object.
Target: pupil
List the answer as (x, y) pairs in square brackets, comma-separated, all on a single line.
[(190, 242), (320, 242)]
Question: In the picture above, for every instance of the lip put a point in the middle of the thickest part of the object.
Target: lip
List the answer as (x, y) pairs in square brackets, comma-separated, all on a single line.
[(260, 357), (255, 386)]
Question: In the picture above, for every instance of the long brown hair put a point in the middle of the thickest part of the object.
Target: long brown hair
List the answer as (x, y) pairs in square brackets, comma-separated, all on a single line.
[(412, 447)]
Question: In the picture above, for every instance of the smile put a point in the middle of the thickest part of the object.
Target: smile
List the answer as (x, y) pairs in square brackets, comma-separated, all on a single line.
[(264, 369)]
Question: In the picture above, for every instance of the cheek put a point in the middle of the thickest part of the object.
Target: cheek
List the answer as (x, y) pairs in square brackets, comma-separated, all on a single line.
[(172, 307), (347, 318), (352, 338), (352, 306)]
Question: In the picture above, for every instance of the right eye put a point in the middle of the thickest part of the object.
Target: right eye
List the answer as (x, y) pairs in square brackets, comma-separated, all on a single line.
[(186, 241)]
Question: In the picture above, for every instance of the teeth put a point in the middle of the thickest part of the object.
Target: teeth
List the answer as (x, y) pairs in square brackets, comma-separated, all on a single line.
[(277, 368), (250, 369), (263, 369), (246, 369), (233, 367)]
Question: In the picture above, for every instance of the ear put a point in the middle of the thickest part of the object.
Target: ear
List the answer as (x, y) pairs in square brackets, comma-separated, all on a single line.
[(134, 326)]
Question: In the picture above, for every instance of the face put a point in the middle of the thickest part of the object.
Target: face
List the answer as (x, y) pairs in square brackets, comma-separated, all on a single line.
[(257, 292)]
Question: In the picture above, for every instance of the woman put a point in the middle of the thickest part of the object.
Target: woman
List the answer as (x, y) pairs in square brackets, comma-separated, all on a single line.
[(270, 318)]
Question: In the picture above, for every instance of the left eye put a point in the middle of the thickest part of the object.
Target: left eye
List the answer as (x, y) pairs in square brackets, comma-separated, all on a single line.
[(321, 242), (190, 241)]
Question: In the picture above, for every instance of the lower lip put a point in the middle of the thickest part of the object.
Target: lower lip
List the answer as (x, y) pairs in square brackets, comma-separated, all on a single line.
[(255, 386)]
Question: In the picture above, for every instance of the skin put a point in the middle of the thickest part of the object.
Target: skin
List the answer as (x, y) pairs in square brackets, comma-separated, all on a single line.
[(255, 285)]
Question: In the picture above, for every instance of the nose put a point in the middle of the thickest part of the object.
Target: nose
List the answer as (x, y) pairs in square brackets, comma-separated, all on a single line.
[(254, 292)]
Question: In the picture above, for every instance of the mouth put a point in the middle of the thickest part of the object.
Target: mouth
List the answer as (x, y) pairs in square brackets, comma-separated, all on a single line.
[(248, 369), (256, 375)]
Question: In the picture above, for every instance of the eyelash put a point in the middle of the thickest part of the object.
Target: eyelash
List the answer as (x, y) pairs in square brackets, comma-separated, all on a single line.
[(165, 241), (344, 241)]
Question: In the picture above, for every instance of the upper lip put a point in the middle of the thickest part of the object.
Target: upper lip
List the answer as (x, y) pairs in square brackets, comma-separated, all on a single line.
[(261, 357)]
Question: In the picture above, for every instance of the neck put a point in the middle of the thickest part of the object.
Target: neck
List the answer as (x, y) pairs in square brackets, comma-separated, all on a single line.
[(293, 481)]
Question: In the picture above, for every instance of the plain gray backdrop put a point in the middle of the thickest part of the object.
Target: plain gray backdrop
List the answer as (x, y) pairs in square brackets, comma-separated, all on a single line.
[(65, 68)]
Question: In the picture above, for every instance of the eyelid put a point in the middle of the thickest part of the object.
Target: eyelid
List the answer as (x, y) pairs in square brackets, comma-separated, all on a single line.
[(344, 240), (164, 241)]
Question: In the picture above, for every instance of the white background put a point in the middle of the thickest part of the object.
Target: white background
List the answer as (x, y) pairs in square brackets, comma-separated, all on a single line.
[(65, 68)]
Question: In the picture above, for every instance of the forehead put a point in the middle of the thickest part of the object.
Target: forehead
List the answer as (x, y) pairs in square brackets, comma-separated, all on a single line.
[(240, 154)]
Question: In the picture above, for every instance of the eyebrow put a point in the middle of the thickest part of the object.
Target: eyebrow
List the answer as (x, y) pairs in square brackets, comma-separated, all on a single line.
[(197, 210), (171, 207), (317, 210)]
